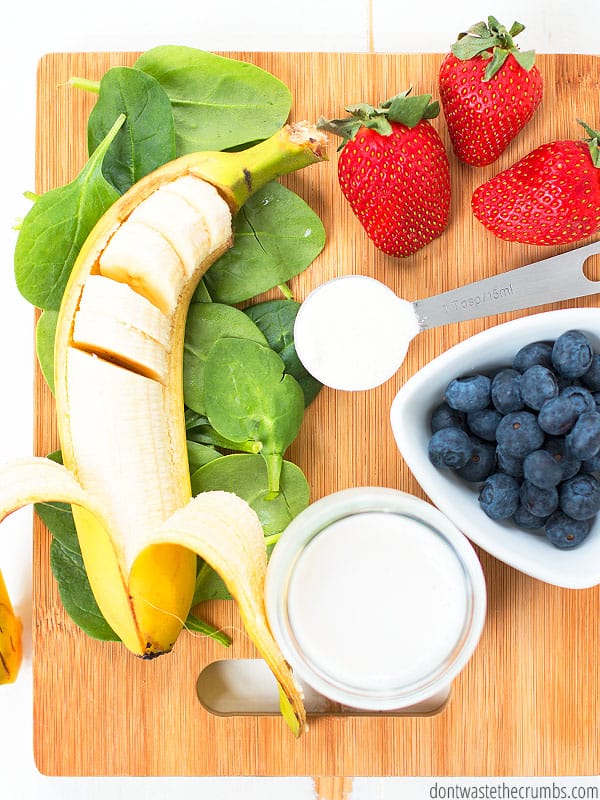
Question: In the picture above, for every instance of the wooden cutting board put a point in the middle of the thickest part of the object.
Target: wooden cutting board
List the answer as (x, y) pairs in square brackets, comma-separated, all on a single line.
[(528, 702)]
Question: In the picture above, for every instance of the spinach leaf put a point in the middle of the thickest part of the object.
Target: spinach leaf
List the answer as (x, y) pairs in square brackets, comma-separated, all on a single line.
[(146, 140), (206, 323), (276, 318), (199, 455), (218, 103), (45, 332), (68, 569), (56, 227), (193, 623), (246, 476), (201, 294), (247, 396), (276, 236)]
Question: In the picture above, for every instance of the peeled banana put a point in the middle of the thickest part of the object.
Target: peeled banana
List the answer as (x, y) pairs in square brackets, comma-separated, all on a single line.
[(118, 391)]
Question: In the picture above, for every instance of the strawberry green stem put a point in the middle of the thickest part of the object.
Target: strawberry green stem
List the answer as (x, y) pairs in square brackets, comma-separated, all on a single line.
[(495, 42), (405, 110)]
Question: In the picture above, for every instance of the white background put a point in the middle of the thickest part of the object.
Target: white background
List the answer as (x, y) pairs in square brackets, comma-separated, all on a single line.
[(30, 30)]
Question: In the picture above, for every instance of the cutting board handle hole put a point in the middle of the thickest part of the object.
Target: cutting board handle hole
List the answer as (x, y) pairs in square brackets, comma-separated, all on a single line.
[(245, 686)]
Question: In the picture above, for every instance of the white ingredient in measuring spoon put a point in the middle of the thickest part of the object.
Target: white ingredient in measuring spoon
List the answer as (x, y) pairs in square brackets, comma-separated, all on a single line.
[(377, 601), (352, 333)]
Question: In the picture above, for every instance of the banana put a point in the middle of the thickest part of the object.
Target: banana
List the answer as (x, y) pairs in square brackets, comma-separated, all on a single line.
[(11, 643), (118, 392)]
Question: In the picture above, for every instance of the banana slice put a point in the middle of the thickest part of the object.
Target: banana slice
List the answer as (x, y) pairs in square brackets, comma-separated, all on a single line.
[(142, 258), (114, 299), (182, 225), (208, 202), (120, 343)]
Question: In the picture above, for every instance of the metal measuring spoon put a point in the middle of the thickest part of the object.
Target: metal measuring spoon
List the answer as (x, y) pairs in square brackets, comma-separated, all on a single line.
[(352, 333)]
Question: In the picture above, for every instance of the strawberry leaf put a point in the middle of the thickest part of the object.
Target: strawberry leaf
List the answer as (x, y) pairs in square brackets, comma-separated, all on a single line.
[(346, 128), (470, 46), (498, 58), (379, 124), (410, 111), (592, 142), (516, 29), (525, 59)]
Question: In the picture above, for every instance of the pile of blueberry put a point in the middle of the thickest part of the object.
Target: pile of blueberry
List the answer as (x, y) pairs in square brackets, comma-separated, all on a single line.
[(530, 436)]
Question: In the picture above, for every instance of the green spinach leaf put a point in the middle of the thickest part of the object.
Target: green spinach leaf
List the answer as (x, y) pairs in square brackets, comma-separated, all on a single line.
[(276, 236), (45, 332), (206, 323), (146, 140), (68, 569), (246, 476), (248, 396), (56, 227), (199, 455), (276, 318), (218, 103)]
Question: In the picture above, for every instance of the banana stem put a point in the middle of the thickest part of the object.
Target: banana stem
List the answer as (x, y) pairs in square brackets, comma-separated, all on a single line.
[(239, 175)]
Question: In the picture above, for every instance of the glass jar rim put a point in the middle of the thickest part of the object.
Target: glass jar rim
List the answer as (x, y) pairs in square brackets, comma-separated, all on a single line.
[(316, 519)]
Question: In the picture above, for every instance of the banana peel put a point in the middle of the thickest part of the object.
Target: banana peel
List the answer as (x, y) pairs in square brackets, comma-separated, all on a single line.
[(11, 638), (120, 407)]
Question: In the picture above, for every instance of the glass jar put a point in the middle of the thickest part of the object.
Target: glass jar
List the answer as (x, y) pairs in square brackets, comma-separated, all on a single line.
[(376, 600)]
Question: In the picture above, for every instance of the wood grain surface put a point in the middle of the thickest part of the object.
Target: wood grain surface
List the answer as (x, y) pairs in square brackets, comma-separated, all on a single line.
[(528, 702)]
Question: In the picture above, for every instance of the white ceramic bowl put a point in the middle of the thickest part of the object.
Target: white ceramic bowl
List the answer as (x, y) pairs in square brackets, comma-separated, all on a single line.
[(529, 552)]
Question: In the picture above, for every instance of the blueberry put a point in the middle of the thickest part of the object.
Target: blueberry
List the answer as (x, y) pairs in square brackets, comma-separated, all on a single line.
[(541, 469), (506, 391), (583, 440), (591, 378), (528, 521), (481, 464), (468, 394), (581, 398), (532, 354), (538, 384), (511, 465), (499, 496), (570, 466), (591, 464), (572, 354), (580, 497), (518, 433), (565, 532), (539, 502), (450, 447), (483, 423), (557, 416), (445, 417)]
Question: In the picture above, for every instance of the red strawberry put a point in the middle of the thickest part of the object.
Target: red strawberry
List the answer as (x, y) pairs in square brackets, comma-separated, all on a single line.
[(394, 172), (551, 196), (489, 91)]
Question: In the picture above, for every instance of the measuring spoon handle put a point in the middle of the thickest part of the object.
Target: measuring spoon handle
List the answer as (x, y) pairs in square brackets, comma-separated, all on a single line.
[(548, 281)]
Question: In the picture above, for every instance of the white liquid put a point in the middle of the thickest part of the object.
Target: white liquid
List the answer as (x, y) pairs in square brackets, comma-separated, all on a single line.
[(352, 333), (377, 601)]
